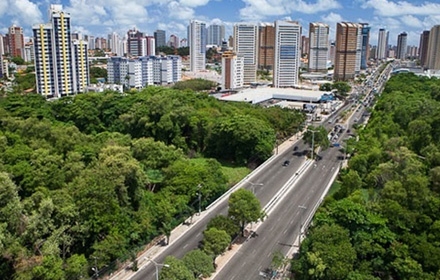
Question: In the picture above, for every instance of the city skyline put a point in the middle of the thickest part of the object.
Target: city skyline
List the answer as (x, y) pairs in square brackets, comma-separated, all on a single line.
[(99, 18)]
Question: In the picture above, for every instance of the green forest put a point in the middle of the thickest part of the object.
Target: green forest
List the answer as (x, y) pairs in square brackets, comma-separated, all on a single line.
[(384, 220), (88, 180)]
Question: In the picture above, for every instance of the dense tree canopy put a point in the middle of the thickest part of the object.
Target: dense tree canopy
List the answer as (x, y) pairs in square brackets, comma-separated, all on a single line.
[(94, 176), (383, 222)]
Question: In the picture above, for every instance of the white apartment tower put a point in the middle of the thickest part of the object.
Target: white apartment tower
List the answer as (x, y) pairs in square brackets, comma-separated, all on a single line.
[(197, 45), (232, 70), (382, 44), (246, 45), (318, 46), (287, 53), (57, 58), (81, 58)]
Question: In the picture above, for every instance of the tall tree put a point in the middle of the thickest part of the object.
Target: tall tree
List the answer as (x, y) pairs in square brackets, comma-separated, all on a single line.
[(244, 208), (199, 263), (215, 242)]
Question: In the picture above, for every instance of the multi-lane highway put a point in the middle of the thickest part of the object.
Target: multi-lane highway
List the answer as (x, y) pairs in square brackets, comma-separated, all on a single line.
[(272, 179), (280, 229), (278, 232)]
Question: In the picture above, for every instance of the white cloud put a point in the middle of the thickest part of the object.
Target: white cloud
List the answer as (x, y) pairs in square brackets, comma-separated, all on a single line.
[(21, 12), (260, 9), (332, 18), (194, 3), (399, 8), (178, 11), (411, 21)]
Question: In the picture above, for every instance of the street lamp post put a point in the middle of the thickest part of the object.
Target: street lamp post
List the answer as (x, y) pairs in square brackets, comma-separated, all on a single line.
[(95, 268), (156, 265), (313, 140), (253, 186)]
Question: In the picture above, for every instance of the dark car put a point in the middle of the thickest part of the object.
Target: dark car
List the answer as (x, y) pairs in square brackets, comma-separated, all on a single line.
[(286, 163), (295, 148)]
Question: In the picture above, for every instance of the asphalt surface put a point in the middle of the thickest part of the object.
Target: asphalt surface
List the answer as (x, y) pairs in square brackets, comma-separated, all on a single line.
[(281, 227), (273, 177)]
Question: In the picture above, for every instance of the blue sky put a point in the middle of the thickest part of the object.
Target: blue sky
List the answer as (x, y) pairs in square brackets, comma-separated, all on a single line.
[(100, 17)]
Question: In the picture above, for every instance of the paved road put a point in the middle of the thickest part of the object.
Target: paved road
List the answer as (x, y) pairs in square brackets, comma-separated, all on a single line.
[(280, 234), (273, 177), (282, 227), (279, 231)]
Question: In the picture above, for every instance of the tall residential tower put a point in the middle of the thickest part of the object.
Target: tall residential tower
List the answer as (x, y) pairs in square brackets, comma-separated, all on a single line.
[(433, 58), (318, 47), (197, 45), (347, 57), (287, 53), (246, 45), (61, 65)]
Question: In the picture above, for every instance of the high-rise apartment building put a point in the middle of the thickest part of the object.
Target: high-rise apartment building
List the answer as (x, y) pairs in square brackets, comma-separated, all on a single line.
[(332, 52), (1, 66), (216, 34), (160, 38), (29, 55), (423, 47), (246, 44), (81, 77), (114, 43), (365, 45), (136, 43), (91, 41), (151, 45), (401, 45), (433, 58), (197, 45), (2, 44), (347, 57), (16, 41), (305, 46), (232, 70), (266, 47), (382, 44), (318, 46), (61, 66), (287, 53), (174, 41)]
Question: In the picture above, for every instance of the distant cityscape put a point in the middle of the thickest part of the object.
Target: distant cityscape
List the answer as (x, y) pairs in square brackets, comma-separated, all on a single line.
[(62, 59)]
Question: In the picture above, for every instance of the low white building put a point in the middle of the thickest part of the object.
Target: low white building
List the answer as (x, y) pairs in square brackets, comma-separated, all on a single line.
[(143, 71)]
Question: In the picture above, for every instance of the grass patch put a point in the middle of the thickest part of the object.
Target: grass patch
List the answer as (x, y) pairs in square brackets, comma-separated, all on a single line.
[(235, 174), (334, 188)]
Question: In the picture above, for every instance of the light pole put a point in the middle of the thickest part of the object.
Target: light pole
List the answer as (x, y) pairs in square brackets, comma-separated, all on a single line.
[(156, 265), (199, 186), (313, 140), (95, 268), (253, 186), (303, 208)]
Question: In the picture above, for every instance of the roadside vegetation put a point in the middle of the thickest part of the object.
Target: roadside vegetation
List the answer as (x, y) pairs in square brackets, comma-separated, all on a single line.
[(87, 181), (383, 222)]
